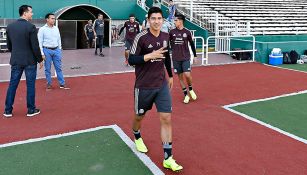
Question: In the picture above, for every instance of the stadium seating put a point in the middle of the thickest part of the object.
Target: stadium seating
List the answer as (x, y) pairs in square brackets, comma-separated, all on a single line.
[(261, 16)]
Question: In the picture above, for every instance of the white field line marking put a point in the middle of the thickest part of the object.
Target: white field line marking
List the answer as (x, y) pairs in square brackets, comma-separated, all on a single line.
[(285, 68), (82, 75), (143, 157), (228, 107), (121, 72), (3, 65), (230, 63)]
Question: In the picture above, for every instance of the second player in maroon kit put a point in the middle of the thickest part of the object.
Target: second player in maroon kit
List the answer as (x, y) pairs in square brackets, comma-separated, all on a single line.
[(132, 29), (180, 38)]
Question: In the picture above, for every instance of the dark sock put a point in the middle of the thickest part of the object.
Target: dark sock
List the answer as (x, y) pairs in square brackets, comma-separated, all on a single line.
[(190, 87), (167, 147), (100, 50), (137, 134), (185, 92)]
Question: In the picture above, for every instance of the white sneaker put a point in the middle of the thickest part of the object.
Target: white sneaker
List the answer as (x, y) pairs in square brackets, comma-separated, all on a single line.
[(193, 95), (186, 99)]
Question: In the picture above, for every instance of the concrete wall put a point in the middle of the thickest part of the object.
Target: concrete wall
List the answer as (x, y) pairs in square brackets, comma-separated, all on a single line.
[(265, 44), (117, 9)]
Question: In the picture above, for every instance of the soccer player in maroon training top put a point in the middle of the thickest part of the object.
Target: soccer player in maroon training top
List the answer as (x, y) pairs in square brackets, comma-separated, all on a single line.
[(180, 38), (150, 56), (132, 29)]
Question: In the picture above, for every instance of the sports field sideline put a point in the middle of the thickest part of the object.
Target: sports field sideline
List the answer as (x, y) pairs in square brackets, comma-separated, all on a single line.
[(223, 143)]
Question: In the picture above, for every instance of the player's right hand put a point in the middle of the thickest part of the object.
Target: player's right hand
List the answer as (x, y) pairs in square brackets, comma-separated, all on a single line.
[(155, 54)]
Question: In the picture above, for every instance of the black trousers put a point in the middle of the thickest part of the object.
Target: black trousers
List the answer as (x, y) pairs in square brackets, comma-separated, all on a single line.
[(99, 42), (90, 41)]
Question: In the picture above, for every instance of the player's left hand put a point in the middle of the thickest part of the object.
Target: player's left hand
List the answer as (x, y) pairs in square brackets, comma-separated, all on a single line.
[(195, 61), (170, 82)]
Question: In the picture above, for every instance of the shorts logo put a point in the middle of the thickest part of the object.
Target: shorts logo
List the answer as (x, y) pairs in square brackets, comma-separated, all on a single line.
[(141, 111), (150, 46), (189, 68), (175, 70)]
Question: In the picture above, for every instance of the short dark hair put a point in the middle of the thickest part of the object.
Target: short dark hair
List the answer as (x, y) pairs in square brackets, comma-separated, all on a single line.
[(23, 9), (48, 15), (154, 10), (181, 17), (100, 14), (170, 0), (131, 15)]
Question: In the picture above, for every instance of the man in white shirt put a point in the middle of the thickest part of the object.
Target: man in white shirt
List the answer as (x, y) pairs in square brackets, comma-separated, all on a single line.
[(51, 49)]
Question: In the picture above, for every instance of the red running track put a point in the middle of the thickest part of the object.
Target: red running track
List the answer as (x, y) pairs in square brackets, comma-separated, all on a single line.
[(207, 138)]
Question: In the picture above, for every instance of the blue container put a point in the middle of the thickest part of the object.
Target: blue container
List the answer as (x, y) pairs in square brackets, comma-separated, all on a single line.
[(275, 60)]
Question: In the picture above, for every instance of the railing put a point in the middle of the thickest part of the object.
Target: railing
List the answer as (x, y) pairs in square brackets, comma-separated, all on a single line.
[(186, 13), (226, 48), (202, 52), (213, 21), (142, 4)]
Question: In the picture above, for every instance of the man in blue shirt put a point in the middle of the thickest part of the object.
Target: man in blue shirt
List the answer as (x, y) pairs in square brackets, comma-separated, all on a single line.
[(51, 49), (171, 11)]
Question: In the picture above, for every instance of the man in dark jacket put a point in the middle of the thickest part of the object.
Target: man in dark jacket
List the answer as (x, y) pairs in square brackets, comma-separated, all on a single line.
[(22, 42)]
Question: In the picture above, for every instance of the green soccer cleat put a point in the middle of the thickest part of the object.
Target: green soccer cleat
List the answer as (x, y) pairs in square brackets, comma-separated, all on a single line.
[(193, 95), (170, 163), (140, 146), (186, 99)]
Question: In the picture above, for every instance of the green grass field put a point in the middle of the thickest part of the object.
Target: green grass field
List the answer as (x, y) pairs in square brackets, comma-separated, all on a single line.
[(300, 67), (286, 113), (98, 152)]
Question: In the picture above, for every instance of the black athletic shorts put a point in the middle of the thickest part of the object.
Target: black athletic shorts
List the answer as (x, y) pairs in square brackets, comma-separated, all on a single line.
[(145, 98), (128, 45), (182, 66)]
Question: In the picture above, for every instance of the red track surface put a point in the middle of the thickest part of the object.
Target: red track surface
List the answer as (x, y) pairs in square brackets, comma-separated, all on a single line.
[(207, 138)]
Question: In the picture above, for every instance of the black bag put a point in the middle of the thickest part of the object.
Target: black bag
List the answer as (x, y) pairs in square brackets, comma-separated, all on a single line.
[(286, 58), (245, 56), (294, 56), (241, 55)]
